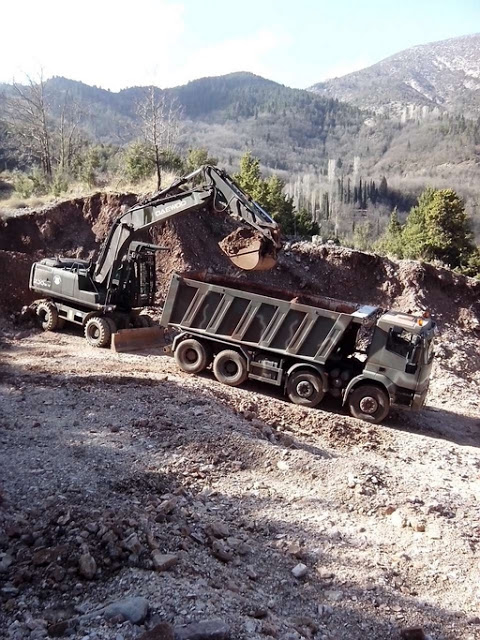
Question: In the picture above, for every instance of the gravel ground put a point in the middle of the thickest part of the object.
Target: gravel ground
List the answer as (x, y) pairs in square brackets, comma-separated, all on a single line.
[(123, 477)]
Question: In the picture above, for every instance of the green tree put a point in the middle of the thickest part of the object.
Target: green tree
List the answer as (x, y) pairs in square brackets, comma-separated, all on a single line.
[(251, 181), (88, 166), (437, 228), (198, 157), (279, 206), (139, 161), (391, 242), (270, 195), (362, 236), (472, 264), (172, 161), (383, 188), (304, 224)]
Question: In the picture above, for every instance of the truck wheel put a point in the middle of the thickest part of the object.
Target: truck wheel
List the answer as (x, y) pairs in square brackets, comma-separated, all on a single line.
[(369, 403), (98, 332), (305, 388), (230, 367), (192, 356), (48, 316)]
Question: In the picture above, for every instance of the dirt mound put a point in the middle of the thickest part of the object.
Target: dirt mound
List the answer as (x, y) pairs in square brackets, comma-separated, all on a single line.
[(74, 226), (15, 271), (323, 270), (71, 228), (77, 227)]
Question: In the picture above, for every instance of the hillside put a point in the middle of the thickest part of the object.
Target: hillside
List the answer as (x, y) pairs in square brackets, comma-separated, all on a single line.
[(423, 81), (289, 128), (316, 143)]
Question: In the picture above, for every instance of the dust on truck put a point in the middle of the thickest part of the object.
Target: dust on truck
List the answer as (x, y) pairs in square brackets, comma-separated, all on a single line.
[(307, 346)]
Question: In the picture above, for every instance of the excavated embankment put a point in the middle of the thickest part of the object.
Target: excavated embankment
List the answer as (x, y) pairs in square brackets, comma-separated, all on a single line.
[(71, 228), (77, 227)]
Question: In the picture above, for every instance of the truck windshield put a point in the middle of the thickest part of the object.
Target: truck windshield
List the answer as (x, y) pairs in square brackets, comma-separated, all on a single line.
[(405, 344)]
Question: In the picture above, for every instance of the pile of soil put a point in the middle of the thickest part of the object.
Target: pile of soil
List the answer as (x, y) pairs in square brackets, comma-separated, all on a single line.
[(70, 228), (196, 243), (322, 270)]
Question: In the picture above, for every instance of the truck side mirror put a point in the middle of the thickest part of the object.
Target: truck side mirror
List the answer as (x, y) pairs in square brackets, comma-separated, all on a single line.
[(410, 367)]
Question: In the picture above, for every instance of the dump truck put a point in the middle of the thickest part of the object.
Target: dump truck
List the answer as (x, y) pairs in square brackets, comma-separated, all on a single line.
[(106, 296), (307, 346)]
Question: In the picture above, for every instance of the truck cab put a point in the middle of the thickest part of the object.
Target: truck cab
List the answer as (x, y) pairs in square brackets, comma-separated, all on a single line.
[(400, 358)]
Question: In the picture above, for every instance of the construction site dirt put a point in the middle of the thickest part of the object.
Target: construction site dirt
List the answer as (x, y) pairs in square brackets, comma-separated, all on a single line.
[(125, 481)]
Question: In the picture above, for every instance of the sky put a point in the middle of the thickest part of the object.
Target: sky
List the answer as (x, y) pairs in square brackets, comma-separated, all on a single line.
[(122, 43)]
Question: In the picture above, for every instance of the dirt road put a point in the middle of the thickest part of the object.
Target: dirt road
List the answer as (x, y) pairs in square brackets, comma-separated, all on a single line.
[(123, 477)]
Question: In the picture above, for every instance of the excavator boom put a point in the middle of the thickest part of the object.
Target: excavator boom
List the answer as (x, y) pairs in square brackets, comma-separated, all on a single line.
[(255, 248)]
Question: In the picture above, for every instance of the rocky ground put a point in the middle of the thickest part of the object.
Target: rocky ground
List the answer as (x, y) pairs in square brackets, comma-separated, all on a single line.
[(139, 502), (123, 478)]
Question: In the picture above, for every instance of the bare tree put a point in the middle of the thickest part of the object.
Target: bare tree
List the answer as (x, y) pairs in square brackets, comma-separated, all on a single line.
[(69, 135), (27, 116), (159, 121)]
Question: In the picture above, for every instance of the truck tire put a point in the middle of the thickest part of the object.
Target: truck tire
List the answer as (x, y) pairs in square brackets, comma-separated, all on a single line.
[(230, 367), (305, 387), (48, 316), (192, 356), (98, 332), (369, 403)]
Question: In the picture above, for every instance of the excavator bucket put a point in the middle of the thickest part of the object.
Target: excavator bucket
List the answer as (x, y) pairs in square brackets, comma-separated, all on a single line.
[(126, 340), (249, 250)]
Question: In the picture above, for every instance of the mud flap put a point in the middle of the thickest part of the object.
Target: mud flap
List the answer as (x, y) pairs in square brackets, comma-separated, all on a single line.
[(138, 339)]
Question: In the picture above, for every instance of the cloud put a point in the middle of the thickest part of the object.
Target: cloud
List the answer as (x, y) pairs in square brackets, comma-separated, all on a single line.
[(120, 44), (112, 44), (345, 67)]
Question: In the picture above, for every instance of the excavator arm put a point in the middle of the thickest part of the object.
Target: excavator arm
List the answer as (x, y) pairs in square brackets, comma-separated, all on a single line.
[(216, 191), (129, 225)]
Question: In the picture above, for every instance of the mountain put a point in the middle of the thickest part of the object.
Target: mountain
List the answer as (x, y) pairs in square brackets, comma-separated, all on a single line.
[(302, 135), (290, 129), (423, 81)]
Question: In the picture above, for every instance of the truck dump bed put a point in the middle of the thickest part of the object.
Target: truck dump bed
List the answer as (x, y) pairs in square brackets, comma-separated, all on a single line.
[(287, 324)]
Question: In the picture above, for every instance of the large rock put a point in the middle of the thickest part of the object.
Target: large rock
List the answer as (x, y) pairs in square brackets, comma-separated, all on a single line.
[(214, 629), (87, 567), (163, 561), (5, 562), (134, 609)]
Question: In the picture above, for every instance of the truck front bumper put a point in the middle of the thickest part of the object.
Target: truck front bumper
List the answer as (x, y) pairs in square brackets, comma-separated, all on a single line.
[(419, 399)]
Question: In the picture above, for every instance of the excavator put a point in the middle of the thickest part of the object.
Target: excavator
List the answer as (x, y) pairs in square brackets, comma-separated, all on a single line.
[(106, 297)]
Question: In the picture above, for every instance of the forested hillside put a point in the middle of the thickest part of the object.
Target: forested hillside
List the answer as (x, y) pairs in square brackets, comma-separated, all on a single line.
[(326, 151)]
